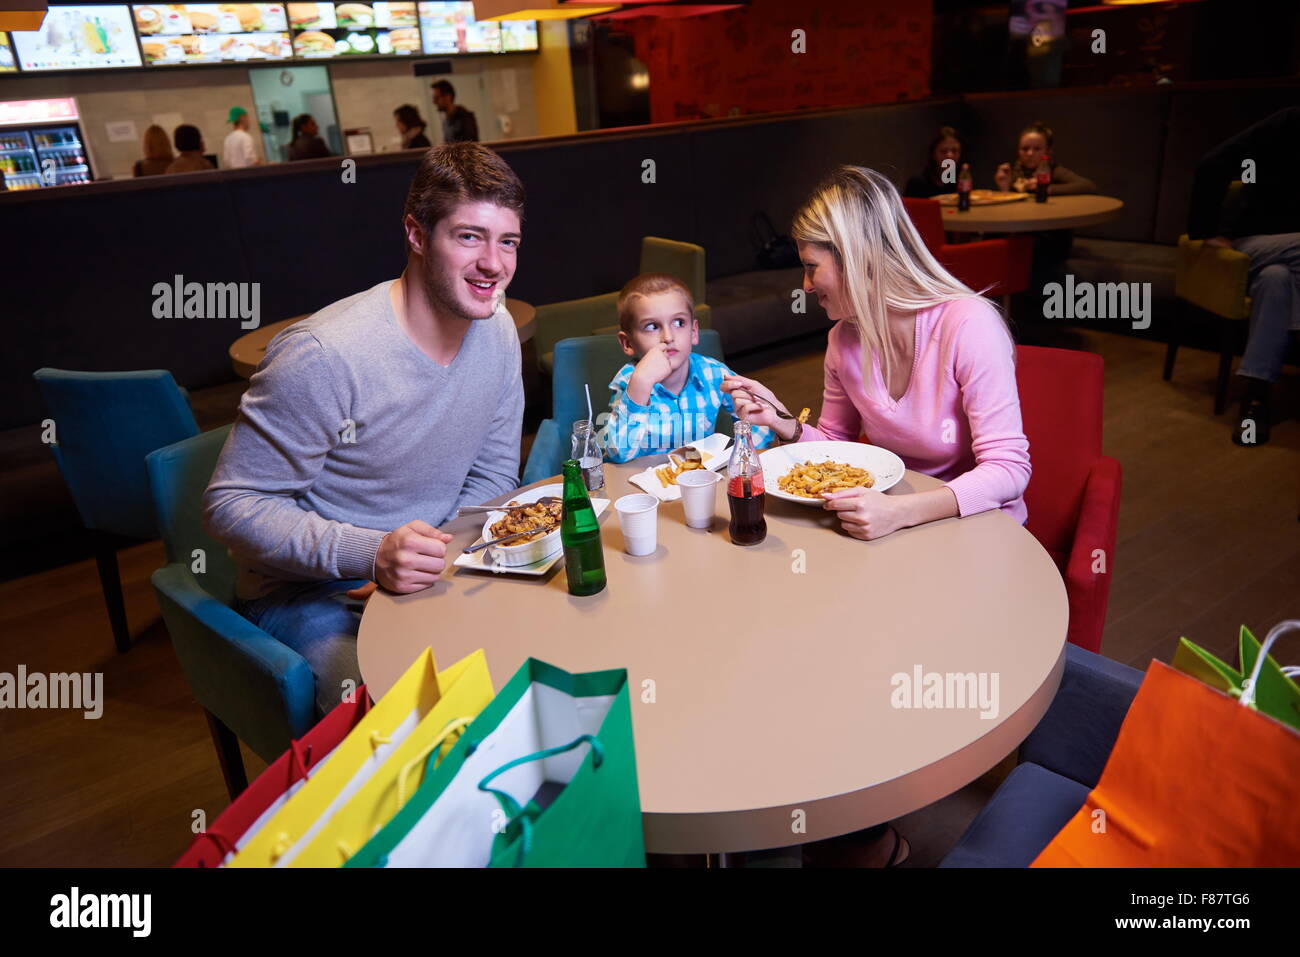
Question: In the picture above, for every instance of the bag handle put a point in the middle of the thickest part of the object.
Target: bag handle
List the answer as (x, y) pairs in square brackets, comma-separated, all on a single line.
[(432, 751), (511, 806), (1248, 686)]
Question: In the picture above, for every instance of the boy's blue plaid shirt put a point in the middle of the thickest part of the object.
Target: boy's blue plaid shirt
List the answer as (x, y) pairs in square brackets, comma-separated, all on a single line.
[(669, 421)]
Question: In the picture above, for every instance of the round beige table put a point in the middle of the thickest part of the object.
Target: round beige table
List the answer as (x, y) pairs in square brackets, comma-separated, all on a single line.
[(760, 677), (1027, 216), (247, 352)]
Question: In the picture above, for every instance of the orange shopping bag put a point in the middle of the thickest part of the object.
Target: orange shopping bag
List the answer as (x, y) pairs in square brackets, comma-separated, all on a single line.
[(1196, 779)]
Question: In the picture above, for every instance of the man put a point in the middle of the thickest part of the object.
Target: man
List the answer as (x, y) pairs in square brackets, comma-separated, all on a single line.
[(238, 150), (189, 149), (458, 123), (1260, 221), (372, 421)]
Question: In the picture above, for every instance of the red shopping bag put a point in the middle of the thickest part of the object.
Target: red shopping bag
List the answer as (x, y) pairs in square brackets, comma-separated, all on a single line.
[(274, 784), (1196, 779)]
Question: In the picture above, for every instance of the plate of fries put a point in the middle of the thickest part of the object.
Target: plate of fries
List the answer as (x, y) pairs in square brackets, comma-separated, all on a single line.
[(661, 481), (803, 471)]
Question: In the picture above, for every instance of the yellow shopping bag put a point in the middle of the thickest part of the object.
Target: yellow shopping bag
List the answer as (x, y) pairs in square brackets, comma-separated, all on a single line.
[(380, 798), (416, 696)]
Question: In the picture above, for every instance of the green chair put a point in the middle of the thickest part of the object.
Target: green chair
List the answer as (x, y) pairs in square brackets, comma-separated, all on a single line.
[(598, 315), (591, 360), (1211, 281)]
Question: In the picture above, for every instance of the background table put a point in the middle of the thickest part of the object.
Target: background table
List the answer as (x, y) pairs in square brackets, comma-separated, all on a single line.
[(771, 687), (247, 352), (1027, 216)]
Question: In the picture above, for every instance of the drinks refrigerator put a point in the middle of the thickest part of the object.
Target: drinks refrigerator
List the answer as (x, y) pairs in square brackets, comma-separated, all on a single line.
[(42, 144)]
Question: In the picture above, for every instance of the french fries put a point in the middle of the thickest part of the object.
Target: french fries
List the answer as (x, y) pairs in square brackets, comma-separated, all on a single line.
[(667, 474), (810, 479)]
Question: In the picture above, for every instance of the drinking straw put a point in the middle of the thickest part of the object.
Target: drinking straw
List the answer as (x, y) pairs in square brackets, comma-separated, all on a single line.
[(588, 390)]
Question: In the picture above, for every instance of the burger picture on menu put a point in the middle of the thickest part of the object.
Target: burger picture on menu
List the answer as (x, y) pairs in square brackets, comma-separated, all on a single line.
[(312, 16), (314, 43), (404, 40), (148, 21), (354, 15)]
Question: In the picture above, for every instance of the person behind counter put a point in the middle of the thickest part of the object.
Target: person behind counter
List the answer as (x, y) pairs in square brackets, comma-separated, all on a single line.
[(157, 153), (238, 150), (411, 125), (929, 182), (307, 143), (189, 144), (459, 125)]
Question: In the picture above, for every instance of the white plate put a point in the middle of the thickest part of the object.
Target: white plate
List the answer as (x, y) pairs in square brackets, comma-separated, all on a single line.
[(885, 467), (713, 450), (484, 561)]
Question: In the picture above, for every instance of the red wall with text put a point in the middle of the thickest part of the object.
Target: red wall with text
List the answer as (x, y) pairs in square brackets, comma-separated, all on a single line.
[(857, 51)]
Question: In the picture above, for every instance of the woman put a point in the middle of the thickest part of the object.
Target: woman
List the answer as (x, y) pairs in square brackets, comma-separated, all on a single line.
[(1035, 148), (929, 182), (921, 364), (157, 153), (411, 126), (306, 143)]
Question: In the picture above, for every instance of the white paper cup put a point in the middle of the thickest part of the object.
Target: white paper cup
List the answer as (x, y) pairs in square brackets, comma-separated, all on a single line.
[(637, 517), (699, 496)]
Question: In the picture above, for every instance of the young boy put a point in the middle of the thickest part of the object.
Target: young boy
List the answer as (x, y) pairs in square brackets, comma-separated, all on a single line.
[(670, 396)]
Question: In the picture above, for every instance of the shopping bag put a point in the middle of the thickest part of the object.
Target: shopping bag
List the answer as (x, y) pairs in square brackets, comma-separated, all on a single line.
[(1277, 694), (1196, 779), (545, 777), (273, 787), (417, 694)]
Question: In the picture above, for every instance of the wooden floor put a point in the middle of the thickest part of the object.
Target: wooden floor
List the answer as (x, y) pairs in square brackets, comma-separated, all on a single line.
[(1208, 540)]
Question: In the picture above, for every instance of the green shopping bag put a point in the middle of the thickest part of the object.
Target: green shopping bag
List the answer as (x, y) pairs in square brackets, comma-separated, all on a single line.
[(544, 777), (1275, 693)]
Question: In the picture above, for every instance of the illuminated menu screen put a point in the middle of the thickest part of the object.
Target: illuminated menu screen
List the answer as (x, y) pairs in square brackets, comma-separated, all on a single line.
[(354, 29), (175, 33), (7, 62), (79, 38), (451, 28)]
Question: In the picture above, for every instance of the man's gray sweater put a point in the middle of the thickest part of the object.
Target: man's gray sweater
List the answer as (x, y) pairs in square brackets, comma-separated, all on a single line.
[(348, 431)]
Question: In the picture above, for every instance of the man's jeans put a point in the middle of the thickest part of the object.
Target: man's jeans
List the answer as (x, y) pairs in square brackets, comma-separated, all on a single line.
[(1275, 301), (319, 621)]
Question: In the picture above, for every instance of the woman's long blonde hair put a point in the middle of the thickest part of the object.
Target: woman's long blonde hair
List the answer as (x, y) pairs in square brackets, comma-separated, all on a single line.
[(156, 146), (884, 266)]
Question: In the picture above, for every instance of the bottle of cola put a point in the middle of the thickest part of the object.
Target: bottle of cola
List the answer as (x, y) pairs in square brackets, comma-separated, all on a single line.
[(745, 490), (963, 189), (1043, 178)]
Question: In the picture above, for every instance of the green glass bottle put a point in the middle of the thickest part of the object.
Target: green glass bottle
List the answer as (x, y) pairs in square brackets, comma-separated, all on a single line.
[(584, 562)]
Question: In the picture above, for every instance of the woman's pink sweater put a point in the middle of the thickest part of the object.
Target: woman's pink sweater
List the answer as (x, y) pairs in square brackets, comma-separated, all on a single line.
[(959, 419)]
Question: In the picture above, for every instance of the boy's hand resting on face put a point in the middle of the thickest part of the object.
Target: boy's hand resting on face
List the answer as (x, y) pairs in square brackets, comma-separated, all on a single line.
[(653, 367), (754, 412), (411, 557)]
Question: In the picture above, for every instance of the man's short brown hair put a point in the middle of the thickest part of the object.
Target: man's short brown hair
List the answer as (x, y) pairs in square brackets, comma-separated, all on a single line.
[(455, 173), (650, 284)]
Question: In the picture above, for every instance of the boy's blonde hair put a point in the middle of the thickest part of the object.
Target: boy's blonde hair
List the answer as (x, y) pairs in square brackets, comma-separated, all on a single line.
[(649, 284)]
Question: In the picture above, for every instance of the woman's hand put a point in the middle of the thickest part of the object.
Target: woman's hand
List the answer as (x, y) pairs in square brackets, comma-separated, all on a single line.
[(867, 514), (754, 412), (1003, 178)]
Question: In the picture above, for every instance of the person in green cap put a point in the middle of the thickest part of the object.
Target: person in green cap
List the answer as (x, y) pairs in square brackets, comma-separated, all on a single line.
[(238, 150)]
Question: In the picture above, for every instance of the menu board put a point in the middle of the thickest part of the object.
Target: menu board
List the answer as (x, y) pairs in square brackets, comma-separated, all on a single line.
[(7, 62), (79, 38), (175, 33), (451, 28), (354, 29)]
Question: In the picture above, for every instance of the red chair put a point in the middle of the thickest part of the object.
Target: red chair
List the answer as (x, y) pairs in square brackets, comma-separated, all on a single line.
[(1001, 265), (1073, 494)]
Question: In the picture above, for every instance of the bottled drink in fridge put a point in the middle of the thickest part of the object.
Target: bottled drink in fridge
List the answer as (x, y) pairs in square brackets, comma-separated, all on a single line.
[(745, 490), (584, 562)]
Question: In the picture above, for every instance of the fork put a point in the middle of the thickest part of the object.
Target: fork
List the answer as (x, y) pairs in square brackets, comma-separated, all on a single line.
[(780, 414), (480, 509)]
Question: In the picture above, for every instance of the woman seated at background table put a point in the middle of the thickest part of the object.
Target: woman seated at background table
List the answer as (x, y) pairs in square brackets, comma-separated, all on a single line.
[(921, 364), (929, 181)]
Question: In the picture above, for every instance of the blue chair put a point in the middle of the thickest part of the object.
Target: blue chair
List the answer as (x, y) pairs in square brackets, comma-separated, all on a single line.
[(1061, 761), (251, 686), (593, 360), (104, 425)]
